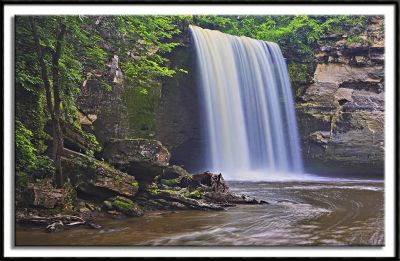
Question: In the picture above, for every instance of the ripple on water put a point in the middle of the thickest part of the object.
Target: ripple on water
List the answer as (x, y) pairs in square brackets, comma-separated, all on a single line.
[(299, 213)]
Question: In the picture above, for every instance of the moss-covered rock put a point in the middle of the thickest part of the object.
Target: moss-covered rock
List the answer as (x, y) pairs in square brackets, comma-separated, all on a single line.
[(177, 176), (96, 177), (123, 205), (77, 139)]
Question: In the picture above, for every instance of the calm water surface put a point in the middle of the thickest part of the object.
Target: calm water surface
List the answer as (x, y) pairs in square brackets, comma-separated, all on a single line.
[(299, 213)]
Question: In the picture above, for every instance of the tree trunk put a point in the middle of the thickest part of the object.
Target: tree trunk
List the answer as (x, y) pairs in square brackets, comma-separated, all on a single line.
[(58, 137), (54, 108)]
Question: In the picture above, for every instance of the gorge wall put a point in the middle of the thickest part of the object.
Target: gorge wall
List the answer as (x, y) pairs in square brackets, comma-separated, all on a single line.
[(179, 123), (340, 111)]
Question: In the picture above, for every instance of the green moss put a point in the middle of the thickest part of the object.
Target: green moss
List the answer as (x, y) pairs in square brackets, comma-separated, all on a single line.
[(170, 182), (168, 191), (196, 194), (300, 72), (152, 189), (135, 184), (123, 205)]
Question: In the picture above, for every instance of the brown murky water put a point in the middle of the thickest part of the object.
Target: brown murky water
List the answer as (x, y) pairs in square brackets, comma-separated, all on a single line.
[(300, 213)]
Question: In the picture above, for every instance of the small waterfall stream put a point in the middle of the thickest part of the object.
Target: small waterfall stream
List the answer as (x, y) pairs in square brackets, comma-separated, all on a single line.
[(249, 107)]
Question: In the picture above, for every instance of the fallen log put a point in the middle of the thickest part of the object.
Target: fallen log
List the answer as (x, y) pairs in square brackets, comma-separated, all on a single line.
[(57, 222)]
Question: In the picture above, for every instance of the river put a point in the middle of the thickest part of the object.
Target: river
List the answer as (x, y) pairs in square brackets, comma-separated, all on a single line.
[(322, 213)]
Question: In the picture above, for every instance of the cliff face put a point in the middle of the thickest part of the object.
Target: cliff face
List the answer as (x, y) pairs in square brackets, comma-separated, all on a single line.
[(341, 114), (179, 123), (108, 112)]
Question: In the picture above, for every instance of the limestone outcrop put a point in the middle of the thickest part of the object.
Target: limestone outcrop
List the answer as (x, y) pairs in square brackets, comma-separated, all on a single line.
[(341, 114), (97, 178)]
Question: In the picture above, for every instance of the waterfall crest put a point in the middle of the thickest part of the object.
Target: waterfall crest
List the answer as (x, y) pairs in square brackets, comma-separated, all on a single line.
[(249, 107)]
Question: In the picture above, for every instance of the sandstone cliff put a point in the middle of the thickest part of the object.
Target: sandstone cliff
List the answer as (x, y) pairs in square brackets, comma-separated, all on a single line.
[(341, 113)]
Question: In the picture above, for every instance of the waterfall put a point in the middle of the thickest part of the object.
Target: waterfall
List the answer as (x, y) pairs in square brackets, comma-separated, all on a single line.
[(248, 105)]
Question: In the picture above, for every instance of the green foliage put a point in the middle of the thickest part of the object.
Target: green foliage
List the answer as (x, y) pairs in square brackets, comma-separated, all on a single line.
[(28, 164), (69, 196), (299, 36), (143, 44), (356, 39), (299, 72)]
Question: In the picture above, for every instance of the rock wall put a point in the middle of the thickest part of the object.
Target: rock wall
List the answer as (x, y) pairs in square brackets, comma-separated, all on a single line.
[(179, 125), (341, 114), (107, 110)]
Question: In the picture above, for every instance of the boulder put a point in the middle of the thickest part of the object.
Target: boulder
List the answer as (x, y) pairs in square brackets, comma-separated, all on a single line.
[(143, 158), (79, 140), (97, 178), (43, 195)]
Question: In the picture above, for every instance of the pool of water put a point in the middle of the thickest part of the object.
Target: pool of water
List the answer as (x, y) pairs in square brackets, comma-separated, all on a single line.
[(300, 213)]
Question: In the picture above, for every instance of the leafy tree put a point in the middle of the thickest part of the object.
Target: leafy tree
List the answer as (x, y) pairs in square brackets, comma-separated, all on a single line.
[(55, 54), (28, 161)]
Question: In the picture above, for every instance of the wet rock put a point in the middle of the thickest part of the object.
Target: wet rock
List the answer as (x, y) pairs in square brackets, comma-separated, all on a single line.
[(97, 178), (143, 158)]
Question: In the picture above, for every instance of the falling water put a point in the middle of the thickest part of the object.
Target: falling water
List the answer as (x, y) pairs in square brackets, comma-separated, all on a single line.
[(251, 121)]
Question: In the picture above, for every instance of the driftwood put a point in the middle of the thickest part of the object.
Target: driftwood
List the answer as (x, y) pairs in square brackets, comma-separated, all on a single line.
[(57, 222)]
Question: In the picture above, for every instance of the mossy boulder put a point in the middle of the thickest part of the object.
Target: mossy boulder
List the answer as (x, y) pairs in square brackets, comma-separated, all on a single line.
[(97, 178), (123, 205), (177, 176), (143, 158)]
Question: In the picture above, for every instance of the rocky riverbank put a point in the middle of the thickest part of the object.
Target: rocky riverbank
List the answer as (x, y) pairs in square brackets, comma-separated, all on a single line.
[(133, 176)]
